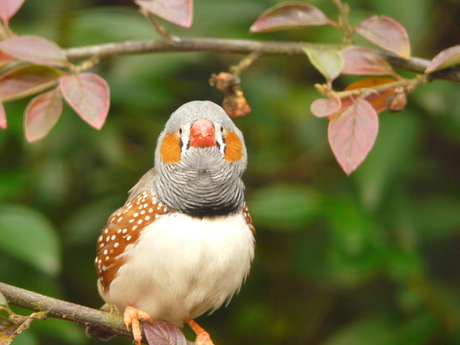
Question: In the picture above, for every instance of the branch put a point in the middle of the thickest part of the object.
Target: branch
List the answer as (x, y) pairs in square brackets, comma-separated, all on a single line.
[(63, 310), (230, 46)]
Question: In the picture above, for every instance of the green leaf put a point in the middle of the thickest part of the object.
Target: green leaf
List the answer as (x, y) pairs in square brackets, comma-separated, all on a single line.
[(3, 301), (328, 62), (27, 235)]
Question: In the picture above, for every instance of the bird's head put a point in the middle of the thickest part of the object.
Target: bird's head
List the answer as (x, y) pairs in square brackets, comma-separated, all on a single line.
[(200, 155)]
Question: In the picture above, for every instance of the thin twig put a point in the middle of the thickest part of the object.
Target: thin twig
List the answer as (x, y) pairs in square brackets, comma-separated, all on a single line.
[(229, 46), (64, 310)]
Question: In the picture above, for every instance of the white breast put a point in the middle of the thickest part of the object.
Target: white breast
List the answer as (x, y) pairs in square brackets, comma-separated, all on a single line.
[(182, 266)]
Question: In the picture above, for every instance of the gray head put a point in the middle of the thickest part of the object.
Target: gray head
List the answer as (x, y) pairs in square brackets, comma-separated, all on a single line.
[(199, 159)]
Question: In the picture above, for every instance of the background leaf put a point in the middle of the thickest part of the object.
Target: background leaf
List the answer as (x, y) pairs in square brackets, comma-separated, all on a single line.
[(89, 95), (8, 8), (328, 62), (30, 237), (179, 12), (352, 134), (35, 49), (26, 81), (290, 15), (42, 113), (446, 58), (386, 33)]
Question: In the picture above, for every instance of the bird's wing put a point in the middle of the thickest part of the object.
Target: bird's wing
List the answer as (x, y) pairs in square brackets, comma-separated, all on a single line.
[(144, 184)]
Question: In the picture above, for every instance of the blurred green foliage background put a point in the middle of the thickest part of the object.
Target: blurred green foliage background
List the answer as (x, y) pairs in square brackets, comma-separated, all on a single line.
[(370, 258)]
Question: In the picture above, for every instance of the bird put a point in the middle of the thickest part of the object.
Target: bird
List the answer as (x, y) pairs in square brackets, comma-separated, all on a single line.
[(183, 242)]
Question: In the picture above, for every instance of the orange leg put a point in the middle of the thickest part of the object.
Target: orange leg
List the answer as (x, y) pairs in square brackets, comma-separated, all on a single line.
[(131, 319), (202, 337)]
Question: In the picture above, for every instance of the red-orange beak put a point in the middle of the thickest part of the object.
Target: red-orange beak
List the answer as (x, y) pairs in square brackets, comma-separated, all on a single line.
[(202, 132)]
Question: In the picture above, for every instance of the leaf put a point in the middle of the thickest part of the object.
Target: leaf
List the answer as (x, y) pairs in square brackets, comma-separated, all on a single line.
[(41, 114), (3, 123), (89, 95), (36, 50), (162, 332), (5, 59), (8, 9), (26, 81), (386, 33), (378, 100), (324, 107), (363, 61), (446, 58), (30, 237), (352, 134), (3, 301), (290, 15), (178, 12), (328, 62)]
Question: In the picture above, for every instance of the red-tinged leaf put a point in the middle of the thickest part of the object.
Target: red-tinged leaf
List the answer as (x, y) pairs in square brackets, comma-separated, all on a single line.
[(36, 50), (363, 61), (26, 81), (3, 123), (42, 113), (386, 33), (352, 134), (5, 59), (378, 100), (328, 62), (178, 12), (446, 58), (290, 15), (89, 95), (162, 332), (8, 8)]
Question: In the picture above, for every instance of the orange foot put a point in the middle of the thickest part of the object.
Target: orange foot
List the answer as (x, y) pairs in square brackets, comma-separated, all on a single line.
[(202, 337), (131, 319)]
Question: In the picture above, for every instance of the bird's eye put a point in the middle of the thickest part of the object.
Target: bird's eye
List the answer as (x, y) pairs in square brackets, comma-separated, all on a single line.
[(180, 130), (222, 129)]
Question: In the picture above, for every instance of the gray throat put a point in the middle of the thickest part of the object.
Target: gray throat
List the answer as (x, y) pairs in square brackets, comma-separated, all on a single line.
[(200, 187)]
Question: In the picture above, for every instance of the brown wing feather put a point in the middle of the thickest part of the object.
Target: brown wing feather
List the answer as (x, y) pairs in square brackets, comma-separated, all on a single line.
[(124, 228)]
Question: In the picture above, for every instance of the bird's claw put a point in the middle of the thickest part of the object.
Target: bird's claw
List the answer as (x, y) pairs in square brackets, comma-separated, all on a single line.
[(131, 319)]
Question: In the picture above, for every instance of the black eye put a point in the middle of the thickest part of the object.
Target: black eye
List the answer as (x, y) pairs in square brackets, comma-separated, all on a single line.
[(222, 129), (180, 130)]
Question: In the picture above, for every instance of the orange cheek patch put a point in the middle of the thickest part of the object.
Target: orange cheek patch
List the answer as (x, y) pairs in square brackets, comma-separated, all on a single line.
[(170, 148), (234, 147)]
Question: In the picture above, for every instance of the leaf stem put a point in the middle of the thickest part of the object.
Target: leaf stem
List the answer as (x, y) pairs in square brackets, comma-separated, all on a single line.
[(344, 24)]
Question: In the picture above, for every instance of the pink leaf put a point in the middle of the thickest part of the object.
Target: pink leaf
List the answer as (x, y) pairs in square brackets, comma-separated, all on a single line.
[(5, 59), (89, 95), (36, 50), (26, 81), (3, 123), (42, 113), (290, 15), (363, 61), (162, 332), (386, 33), (179, 12), (352, 134), (8, 8), (446, 58), (324, 107)]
